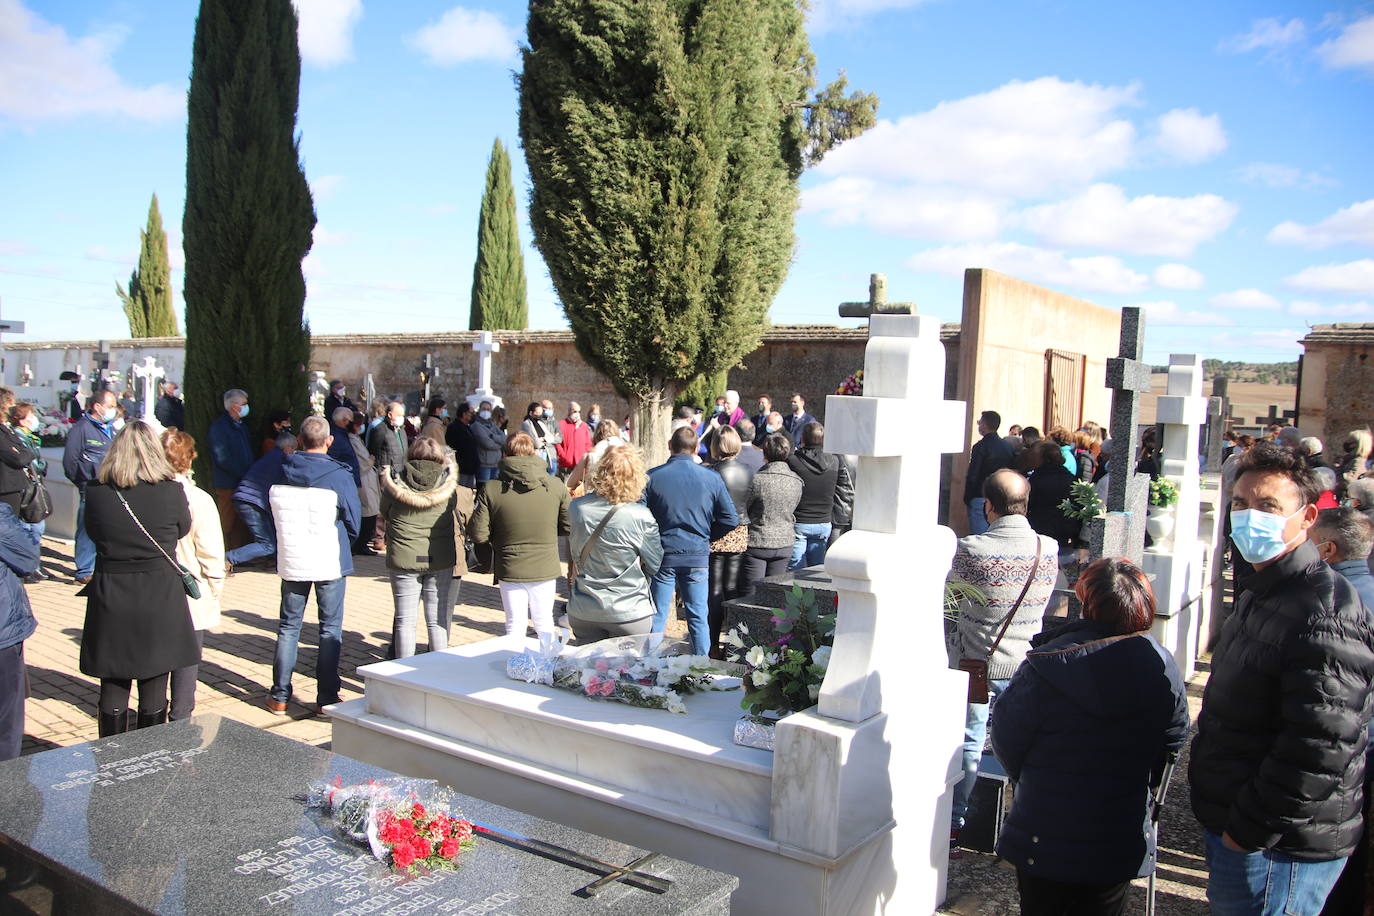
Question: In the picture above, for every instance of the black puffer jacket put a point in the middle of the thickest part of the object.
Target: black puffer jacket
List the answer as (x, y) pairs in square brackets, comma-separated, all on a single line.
[(1278, 761), (826, 489), (737, 478)]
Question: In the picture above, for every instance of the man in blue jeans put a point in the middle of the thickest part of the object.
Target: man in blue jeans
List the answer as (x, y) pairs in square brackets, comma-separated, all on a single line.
[(1277, 767), (87, 442), (316, 511), (692, 508), (251, 502)]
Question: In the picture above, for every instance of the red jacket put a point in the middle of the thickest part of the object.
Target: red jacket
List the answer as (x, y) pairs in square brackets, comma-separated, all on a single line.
[(577, 441)]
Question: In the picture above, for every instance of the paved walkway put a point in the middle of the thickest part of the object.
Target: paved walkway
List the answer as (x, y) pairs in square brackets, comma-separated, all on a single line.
[(236, 669)]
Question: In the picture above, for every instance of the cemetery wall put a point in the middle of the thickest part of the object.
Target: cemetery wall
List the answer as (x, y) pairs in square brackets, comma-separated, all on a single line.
[(1008, 327), (1336, 388), (812, 360)]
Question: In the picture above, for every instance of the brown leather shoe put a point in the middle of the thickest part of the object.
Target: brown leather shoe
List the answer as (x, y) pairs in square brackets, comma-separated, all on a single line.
[(275, 707)]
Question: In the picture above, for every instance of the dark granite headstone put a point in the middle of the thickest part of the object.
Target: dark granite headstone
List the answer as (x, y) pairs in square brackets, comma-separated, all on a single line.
[(769, 595), (1121, 533), (205, 817)]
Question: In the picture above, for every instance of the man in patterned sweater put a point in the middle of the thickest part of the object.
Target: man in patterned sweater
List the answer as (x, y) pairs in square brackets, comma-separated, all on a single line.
[(998, 564)]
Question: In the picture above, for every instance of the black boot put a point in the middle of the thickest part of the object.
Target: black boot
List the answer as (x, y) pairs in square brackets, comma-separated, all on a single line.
[(149, 719), (112, 723)]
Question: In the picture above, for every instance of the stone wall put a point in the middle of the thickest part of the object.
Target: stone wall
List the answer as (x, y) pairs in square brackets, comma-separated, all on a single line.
[(1336, 390)]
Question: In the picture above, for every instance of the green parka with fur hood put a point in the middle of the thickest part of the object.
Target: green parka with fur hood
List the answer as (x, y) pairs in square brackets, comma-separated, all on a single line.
[(419, 501)]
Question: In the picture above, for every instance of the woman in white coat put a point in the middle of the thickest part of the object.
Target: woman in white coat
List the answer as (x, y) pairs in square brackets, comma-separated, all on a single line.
[(202, 552)]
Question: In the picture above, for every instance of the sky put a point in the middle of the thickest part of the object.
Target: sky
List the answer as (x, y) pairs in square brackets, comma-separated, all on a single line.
[(1209, 162)]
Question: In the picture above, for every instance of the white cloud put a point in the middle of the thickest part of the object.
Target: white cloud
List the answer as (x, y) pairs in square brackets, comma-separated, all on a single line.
[(1102, 217), (1245, 299), (1040, 265), (1277, 175), (1266, 33), (1168, 313), (923, 212), (1282, 339), (1178, 276), (326, 30), (10, 248), (1353, 277), (46, 74), (1351, 225), (826, 15), (1187, 135), (1321, 310), (1353, 48), (1023, 138), (323, 188), (462, 35), (323, 238)]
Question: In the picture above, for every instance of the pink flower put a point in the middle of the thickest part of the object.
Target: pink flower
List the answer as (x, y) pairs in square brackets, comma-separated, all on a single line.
[(602, 665), (606, 688)]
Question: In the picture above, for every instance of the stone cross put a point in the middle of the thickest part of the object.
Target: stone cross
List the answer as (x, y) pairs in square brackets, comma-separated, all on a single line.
[(149, 372), (1285, 418), (1122, 532), (1218, 421), (485, 345), (865, 740), (427, 373), (877, 303), (100, 360), (369, 392)]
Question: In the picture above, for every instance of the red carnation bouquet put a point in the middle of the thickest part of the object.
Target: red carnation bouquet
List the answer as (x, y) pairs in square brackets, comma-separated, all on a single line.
[(411, 822), (854, 385)]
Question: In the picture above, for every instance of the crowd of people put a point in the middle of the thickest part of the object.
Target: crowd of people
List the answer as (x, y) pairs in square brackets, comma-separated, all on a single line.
[(1088, 711)]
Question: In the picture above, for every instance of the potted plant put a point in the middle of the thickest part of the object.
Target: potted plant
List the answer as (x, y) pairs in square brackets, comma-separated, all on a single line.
[(1159, 519)]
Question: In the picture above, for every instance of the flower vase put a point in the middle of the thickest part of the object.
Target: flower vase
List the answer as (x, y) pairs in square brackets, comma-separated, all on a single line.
[(757, 731), (1159, 524)]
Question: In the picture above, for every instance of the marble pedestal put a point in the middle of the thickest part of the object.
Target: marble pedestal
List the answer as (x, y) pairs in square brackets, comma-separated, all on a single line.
[(1182, 603), (66, 499), (674, 783)]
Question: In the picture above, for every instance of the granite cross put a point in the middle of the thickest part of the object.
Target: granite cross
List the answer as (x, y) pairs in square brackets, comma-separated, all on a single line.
[(427, 373), (877, 303), (100, 361), (1218, 422), (369, 392), (1122, 532), (1283, 418), (149, 372)]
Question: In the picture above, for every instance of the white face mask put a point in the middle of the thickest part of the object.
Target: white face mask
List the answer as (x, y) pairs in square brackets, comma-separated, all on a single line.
[(484, 414), (31, 423), (574, 416)]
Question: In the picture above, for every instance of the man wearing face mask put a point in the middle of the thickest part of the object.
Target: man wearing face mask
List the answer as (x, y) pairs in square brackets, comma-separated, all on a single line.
[(87, 442), (1277, 767), (169, 410), (574, 440), (539, 425), (337, 398), (231, 455)]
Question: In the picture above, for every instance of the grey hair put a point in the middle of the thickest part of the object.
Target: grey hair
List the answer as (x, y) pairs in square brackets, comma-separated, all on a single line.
[(234, 394), (1325, 477), (314, 432), (287, 440), (1310, 445), (1349, 529), (345, 412), (1361, 488)]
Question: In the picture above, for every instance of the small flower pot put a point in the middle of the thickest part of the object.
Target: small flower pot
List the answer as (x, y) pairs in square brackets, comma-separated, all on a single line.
[(1159, 524)]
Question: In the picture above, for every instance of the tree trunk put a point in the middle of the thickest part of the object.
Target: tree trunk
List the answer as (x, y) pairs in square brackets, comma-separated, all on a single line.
[(652, 422)]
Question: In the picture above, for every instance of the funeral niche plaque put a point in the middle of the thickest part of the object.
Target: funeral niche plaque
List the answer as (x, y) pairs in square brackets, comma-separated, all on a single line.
[(207, 816)]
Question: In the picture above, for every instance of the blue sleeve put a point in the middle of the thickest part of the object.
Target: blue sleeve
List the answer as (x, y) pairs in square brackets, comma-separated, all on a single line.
[(17, 549), (71, 453), (219, 451), (350, 509), (1015, 726)]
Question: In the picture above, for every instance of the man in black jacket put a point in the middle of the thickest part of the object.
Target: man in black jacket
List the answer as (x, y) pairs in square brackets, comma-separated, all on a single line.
[(459, 437), (1277, 767), (826, 493), (990, 453)]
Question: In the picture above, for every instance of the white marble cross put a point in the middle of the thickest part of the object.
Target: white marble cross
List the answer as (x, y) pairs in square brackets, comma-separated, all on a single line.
[(485, 346), (149, 372)]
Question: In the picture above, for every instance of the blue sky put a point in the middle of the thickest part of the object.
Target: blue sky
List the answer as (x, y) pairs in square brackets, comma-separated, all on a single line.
[(1207, 160)]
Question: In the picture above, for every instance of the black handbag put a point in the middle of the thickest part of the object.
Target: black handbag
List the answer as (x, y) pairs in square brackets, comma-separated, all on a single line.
[(188, 581), (35, 503)]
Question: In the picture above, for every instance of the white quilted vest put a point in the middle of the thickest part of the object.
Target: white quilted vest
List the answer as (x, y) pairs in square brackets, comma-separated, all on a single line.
[(307, 537)]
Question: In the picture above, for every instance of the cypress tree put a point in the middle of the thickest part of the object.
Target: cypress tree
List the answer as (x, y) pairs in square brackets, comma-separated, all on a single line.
[(249, 215), (148, 303), (664, 140), (498, 277)]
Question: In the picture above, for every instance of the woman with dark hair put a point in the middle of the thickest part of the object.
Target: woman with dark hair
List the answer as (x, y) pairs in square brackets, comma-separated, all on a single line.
[(1085, 728), (1050, 484), (726, 577), (773, 496), (25, 422)]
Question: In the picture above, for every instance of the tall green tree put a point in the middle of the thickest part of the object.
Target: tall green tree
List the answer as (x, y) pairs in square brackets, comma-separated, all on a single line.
[(498, 277), (148, 302), (249, 215), (664, 140)]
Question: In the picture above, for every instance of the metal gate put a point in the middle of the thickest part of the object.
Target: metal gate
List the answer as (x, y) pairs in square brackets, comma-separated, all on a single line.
[(1064, 373)]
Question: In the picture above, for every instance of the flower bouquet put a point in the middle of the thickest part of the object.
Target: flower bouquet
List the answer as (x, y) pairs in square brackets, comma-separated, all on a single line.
[(52, 428), (854, 385), (411, 822), (627, 668), (785, 674)]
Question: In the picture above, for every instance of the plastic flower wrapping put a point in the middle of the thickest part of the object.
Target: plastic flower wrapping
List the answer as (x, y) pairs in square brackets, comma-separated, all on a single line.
[(854, 385), (785, 673), (53, 428), (627, 669), (412, 823)]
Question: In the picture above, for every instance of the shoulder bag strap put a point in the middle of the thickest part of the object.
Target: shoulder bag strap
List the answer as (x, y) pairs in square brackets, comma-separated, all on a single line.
[(177, 566), (596, 536), (1006, 622)]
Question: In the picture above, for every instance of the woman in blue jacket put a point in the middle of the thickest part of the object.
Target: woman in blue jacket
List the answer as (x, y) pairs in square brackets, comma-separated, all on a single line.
[(1085, 727)]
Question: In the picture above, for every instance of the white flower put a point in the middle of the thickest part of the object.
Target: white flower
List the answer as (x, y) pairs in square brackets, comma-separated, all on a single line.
[(814, 690), (756, 657), (733, 639), (761, 678), (821, 657), (674, 703)]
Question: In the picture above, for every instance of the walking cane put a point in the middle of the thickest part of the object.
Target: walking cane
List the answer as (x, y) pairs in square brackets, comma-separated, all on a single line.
[(1157, 806)]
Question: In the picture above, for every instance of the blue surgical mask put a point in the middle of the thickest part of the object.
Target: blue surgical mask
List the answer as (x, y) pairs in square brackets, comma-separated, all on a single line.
[(484, 414), (108, 416), (1259, 535), (243, 411), (443, 413), (770, 429), (548, 414), (594, 419)]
